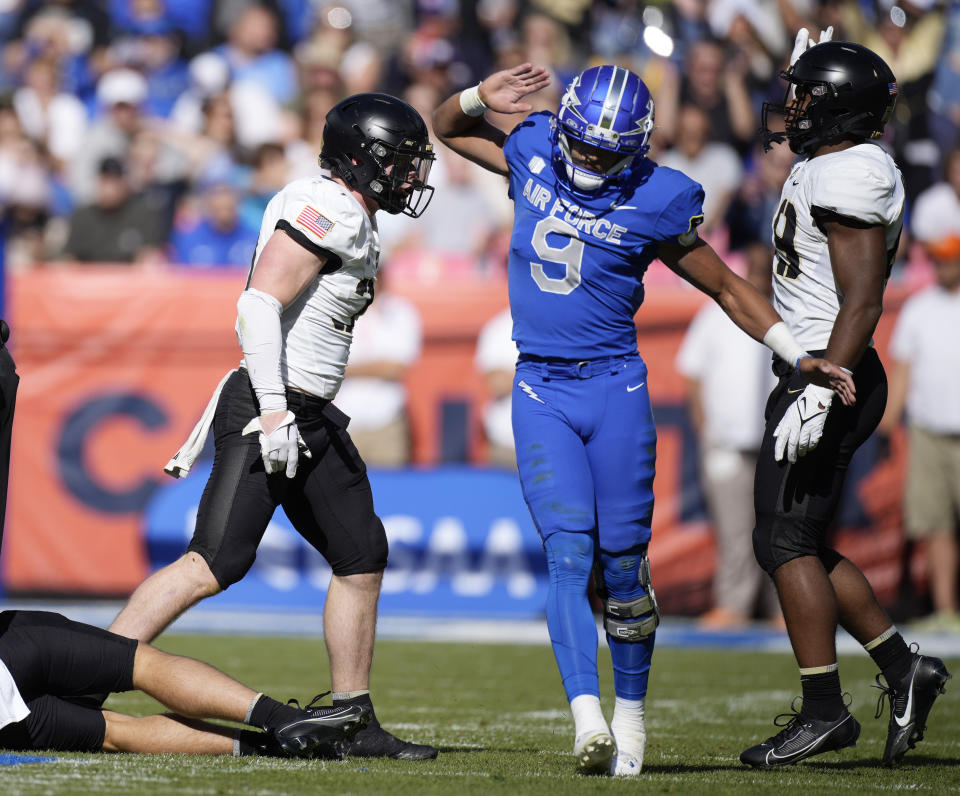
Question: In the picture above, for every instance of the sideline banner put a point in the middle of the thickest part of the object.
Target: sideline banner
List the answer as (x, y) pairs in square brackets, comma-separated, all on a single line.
[(117, 363), (461, 543)]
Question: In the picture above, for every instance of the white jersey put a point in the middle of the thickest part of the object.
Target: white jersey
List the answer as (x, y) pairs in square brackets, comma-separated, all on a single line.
[(317, 327), (861, 183)]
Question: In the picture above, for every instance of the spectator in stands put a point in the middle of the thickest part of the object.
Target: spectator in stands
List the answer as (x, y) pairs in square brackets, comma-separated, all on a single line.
[(926, 380), (908, 35), (715, 165), (217, 150), (120, 94), (117, 227), (155, 49), (454, 239), (387, 340), (270, 173), (728, 378), (158, 173), (73, 33), (252, 55), (944, 96), (936, 213), (25, 197), (301, 154), (209, 75), (496, 360), (25, 192), (49, 115), (718, 88), (546, 41), (750, 215), (219, 236)]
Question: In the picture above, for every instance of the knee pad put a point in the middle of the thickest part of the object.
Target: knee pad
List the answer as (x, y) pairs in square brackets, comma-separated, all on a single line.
[(624, 583)]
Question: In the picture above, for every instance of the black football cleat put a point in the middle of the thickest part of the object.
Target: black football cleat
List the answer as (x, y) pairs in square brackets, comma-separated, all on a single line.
[(802, 737), (374, 741), (318, 730), (910, 703)]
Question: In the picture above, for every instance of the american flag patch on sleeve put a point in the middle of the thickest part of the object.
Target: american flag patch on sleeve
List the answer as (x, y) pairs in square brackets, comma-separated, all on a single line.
[(315, 221), (892, 88)]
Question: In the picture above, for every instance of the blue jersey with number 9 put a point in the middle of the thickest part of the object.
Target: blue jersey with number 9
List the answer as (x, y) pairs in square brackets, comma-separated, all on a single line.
[(577, 260)]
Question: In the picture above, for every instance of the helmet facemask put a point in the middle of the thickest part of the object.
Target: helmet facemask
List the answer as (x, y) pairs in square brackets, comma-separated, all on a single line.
[(399, 182), (579, 174), (798, 110)]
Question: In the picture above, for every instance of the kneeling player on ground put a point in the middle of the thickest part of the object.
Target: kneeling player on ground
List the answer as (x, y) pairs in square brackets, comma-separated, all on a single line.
[(48, 662)]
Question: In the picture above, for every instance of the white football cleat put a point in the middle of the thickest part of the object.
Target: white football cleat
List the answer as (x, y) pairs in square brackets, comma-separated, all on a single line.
[(595, 752), (625, 765), (629, 758)]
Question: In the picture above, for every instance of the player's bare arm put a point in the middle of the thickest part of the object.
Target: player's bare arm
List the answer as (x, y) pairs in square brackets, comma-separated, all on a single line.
[(702, 267), (470, 134), (859, 258), (283, 270)]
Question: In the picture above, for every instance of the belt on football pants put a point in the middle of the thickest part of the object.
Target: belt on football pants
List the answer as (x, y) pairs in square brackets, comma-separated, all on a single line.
[(582, 369)]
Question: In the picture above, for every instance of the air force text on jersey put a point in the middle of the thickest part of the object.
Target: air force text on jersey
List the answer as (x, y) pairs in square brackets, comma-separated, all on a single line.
[(582, 220)]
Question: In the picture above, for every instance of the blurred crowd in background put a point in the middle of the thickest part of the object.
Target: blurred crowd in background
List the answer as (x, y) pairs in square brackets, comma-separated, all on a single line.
[(155, 131)]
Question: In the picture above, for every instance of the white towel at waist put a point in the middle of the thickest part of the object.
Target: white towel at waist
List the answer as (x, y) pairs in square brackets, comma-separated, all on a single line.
[(183, 459)]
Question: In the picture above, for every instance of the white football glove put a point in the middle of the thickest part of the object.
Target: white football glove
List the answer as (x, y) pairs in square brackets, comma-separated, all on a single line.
[(281, 448), (802, 425), (802, 43)]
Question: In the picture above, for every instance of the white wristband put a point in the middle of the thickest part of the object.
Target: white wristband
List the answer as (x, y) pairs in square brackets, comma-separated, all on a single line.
[(470, 102), (779, 340), (258, 327)]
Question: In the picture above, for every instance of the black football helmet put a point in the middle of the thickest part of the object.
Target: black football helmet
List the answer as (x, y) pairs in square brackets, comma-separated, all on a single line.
[(837, 90), (379, 146)]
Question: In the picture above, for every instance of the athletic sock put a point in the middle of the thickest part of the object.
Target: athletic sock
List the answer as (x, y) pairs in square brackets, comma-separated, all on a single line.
[(822, 698), (360, 698), (266, 712), (587, 716), (891, 653), (628, 723)]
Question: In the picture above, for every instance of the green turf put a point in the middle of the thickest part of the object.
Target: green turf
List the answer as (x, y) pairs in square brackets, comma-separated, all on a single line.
[(498, 715)]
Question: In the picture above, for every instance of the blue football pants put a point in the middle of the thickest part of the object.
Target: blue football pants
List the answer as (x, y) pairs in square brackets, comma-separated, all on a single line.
[(586, 451)]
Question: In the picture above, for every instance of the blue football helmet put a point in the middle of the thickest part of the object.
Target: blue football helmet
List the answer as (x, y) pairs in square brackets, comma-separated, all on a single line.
[(609, 108)]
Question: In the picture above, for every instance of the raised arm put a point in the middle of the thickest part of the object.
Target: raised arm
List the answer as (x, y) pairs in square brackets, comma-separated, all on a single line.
[(459, 121)]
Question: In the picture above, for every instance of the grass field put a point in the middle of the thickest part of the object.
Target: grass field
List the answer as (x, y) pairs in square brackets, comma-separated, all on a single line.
[(498, 715)]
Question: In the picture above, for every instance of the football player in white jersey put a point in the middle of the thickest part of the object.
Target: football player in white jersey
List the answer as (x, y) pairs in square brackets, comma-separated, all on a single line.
[(836, 232), (278, 438)]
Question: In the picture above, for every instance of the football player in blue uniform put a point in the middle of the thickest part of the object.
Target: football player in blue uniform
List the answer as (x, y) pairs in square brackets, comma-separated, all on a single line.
[(591, 213)]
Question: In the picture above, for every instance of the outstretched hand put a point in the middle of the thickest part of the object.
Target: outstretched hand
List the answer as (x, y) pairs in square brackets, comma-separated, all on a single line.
[(503, 91), (824, 373)]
